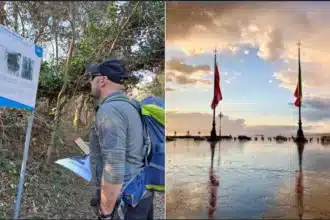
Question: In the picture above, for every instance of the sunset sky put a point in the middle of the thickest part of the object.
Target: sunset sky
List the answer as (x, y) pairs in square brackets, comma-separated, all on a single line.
[(257, 58)]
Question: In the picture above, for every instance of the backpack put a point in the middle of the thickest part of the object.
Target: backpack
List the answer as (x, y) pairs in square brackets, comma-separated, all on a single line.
[(152, 175)]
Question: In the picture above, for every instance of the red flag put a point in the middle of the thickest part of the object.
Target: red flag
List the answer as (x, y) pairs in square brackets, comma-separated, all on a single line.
[(217, 92), (297, 94)]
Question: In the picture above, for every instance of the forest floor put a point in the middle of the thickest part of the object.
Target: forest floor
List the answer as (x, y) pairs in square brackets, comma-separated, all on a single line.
[(52, 193)]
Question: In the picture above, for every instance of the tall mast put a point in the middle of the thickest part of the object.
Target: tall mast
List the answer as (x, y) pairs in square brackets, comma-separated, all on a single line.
[(213, 131), (300, 133)]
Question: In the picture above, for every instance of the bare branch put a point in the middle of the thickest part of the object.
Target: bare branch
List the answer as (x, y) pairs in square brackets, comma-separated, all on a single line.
[(123, 26)]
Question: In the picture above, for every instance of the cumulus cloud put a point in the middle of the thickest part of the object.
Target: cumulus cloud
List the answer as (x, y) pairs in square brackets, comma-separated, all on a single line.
[(317, 115), (273, 28), (179, 72), (318, 109), (170, 89), (320, 104), (267, 26), (180, 66), (314, 77)]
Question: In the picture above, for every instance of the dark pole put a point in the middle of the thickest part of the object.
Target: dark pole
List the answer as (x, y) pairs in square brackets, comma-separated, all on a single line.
[(213, 132), (300, 141), (219, 154), (220, 116), (212, 154), (300, 133)]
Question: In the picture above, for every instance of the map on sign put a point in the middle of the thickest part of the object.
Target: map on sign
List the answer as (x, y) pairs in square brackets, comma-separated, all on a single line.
[(20, 61)]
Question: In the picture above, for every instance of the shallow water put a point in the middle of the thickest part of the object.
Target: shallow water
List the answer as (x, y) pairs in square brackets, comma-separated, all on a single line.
[(256, 179)]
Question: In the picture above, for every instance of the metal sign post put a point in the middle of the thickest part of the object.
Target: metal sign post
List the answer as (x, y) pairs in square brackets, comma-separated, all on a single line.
[(23, 168)]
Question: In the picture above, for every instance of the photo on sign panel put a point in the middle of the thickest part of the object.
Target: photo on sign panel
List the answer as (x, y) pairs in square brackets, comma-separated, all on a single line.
[(27, 68), (13, 62)]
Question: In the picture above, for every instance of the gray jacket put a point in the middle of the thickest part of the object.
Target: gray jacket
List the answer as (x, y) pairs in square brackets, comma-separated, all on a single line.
[(116, 139)]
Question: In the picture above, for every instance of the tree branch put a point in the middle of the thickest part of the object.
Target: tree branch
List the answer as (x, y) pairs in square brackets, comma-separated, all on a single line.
[(38, 35), (22, 23), (123, 26), (2, 12)]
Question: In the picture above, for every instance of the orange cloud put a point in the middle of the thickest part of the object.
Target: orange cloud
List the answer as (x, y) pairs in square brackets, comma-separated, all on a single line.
[(274, 28), (181, 73)]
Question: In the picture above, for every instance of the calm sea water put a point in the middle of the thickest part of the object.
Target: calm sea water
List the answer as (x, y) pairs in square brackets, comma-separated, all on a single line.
[(254, 179)]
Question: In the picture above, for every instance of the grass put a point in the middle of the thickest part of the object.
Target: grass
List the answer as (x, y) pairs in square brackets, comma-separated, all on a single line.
[(52, 193), (47, 194), (57, 193)]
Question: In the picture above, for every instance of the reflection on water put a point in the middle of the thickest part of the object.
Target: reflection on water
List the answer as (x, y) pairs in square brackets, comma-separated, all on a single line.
[(299, 183), (247, 180), (213, 185)]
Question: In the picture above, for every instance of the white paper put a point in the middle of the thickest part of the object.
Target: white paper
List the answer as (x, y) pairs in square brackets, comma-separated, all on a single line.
[(78, 165), (20, 61)]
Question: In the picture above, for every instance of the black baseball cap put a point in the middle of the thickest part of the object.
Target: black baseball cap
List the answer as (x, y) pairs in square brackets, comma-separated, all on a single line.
[(111, 68)]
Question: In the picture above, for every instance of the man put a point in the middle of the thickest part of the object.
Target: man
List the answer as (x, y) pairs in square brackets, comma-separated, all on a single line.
[(116, 145)]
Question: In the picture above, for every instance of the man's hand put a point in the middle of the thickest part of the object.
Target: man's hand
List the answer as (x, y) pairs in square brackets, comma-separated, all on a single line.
[(109, 196), (103, 216)]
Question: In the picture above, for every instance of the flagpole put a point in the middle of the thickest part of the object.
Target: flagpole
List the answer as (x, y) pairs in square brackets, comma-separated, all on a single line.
[(213, 132), (300, 133)]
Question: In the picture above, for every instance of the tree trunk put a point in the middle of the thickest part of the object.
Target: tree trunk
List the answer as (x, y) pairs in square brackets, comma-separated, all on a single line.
[(22, 23), (56, 44), (15, 17), (2, 12), (59, 105), (87, 108), (77, 115), (50, 101)]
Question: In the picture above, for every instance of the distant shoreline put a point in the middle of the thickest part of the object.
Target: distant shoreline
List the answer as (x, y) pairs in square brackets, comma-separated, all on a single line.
[(243, 137), (252, 136)]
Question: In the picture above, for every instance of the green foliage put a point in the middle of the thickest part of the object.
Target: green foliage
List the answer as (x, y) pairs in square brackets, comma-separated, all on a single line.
[(8, 166), (50, 80), (101, 31), (154, 88)]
